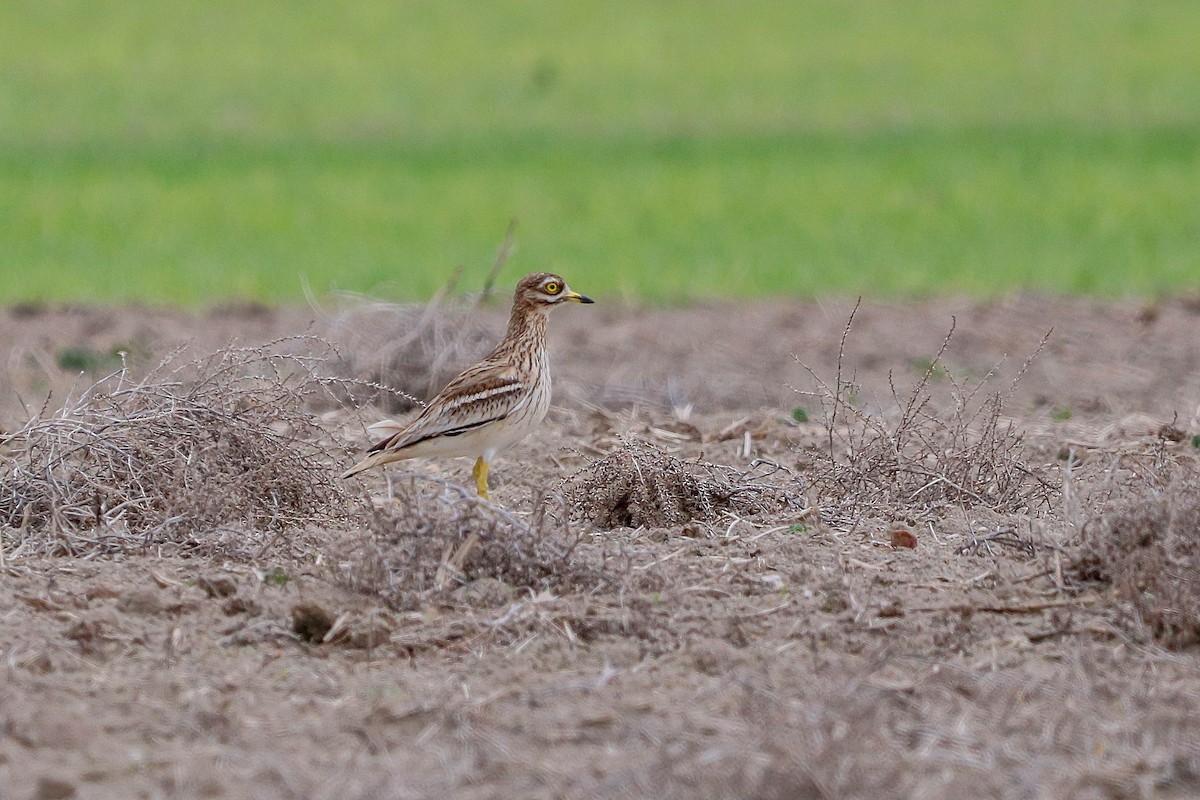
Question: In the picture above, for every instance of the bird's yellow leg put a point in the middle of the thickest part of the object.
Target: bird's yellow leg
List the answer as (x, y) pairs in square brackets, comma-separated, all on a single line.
[(480, 472)]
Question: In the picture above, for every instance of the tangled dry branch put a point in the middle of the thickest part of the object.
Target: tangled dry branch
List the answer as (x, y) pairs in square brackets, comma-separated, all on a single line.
[(221, 440), (921, 458)]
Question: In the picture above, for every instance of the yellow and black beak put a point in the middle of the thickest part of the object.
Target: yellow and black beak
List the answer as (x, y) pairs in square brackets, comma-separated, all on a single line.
[(577, 297)]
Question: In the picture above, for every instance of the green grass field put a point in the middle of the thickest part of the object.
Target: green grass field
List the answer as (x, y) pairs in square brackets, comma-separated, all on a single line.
[(193, 151)]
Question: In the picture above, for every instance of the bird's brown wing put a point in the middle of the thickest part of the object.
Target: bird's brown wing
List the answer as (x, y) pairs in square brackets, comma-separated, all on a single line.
[(485, 393)]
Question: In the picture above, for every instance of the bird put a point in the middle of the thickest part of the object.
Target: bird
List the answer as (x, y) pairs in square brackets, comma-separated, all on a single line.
[(490, 406)]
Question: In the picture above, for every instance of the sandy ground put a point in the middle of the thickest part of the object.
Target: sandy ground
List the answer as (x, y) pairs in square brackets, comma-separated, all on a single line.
[(783, 651)]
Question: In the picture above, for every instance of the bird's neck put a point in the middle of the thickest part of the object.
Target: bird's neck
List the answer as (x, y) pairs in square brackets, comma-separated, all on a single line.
[(526, 327)]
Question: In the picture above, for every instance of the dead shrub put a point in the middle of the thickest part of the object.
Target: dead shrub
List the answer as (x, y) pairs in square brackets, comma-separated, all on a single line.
[(638, 484), (1148, 549), (397, 354), (423, 526), (222, 440), (920, 458)]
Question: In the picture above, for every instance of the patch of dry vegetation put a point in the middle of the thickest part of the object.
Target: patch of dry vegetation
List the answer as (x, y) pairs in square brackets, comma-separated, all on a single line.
[(395, 354), (220, 441), (1147, 548), (640, 485), (429, 534), (712, 647), (913, 729), (921, 459)]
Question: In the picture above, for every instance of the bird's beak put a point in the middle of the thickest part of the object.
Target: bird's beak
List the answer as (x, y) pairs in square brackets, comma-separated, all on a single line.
[(577, 297)]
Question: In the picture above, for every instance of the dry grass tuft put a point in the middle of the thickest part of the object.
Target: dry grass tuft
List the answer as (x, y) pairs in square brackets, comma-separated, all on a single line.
[(219, 441), (1147, 549), (409, 550), (919, 458), (638, 484)]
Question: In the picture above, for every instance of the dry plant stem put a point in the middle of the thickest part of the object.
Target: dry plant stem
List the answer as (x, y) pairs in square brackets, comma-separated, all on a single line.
[(452, 565), (1022, 608), (503, 253), (839, 390)]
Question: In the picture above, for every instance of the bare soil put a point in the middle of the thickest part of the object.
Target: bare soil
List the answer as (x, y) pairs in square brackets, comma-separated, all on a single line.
[(669, 600)]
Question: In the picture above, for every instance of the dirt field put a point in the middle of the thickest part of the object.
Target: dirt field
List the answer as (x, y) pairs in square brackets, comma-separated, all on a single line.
[(684, 592)]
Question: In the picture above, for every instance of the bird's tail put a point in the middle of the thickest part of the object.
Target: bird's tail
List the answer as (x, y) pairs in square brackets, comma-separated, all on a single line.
[(373, 460), (382, 432)]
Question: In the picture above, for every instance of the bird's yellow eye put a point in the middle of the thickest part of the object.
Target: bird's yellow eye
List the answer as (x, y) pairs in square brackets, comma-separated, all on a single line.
[(552, 288)]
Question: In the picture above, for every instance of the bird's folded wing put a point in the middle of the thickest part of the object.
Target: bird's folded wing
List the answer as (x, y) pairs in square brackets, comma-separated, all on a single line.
[(481, 395)]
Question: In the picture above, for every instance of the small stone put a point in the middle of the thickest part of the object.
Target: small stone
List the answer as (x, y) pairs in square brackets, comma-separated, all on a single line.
[(217, 585), (53, 789), (371, 633), (101, 591), (240, 604), (42, 663), (140, 601), (86, 630)]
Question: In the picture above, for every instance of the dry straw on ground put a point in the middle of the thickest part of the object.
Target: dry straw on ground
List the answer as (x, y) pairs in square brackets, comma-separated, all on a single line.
[(638, 484), (196, 446), (921, 458)]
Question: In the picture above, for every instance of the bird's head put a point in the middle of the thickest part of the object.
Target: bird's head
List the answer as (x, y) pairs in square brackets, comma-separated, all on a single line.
[(542, 290)]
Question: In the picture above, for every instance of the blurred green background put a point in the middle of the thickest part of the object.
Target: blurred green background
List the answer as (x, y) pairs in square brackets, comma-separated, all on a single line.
[(195, 151)]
